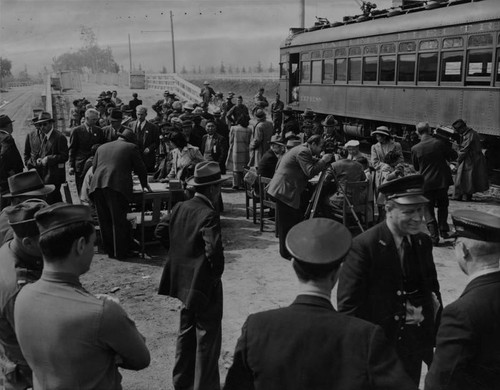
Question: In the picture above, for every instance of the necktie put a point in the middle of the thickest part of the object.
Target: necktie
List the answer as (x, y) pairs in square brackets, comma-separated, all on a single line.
[(407, 257)]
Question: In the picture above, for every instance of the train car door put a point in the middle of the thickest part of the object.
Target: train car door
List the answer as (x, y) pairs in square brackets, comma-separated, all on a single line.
[(294, 77)]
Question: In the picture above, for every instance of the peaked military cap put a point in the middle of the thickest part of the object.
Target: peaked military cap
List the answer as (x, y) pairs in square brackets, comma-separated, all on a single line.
[(60, 215), (477, 225), (405, 190)]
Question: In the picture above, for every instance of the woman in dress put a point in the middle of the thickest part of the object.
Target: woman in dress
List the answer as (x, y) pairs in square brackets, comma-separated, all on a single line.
[(239, 150)]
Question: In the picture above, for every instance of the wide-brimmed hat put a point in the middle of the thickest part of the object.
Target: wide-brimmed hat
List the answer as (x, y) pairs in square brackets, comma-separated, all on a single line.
[(126, 109), (5, 120), (382, 130), (206, 173), (189, 106), (260, 114), (329, 121), (28, 184), (352, 144), (319, 242), (276, 139), (405, 190), (115, 115), (128, 135), (308, 113), (43, 117), (217, 112)]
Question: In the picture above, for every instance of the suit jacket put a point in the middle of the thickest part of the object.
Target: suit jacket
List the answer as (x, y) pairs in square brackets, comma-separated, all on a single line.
[(113, 165), (308, 345), (296, 167), (218, 150), (371, 283), (430, 158), (111, 134), (80, 143), (195, 261), (267, 164), (147, 137), (10, 159), (468, 340), (260, 142), (55, 148)]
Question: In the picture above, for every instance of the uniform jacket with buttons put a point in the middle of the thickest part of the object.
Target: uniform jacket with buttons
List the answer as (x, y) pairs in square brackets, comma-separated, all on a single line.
[(371, 283)]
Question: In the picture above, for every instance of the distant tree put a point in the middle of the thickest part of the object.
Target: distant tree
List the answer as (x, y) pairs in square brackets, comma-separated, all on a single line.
[(212, 69), (222, 68), (243, 70), (271, 68), (199, 69), (140, 66), (237, 70), (193, 70), (183, 71), (5, 67), (230, 69), (258, 68), (164, 69)]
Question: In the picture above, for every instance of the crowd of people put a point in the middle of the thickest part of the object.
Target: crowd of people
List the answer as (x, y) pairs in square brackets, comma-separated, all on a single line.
[(389, 302)]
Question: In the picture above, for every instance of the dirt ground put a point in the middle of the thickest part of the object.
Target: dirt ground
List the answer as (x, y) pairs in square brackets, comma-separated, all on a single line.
[(256, 278)]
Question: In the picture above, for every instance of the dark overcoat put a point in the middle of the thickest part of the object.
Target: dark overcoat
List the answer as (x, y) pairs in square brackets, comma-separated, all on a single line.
[(308, 345), (468, 342), (80, 144), (148, 137), (219, 150), (472, 173)]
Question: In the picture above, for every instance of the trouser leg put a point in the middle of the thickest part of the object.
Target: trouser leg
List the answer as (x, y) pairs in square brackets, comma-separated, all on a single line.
[(105, 220), (442, 203), (118, 205), (430, 216), (208, 339), (288, 217), (79, 182), (185, 353), (410, 351)]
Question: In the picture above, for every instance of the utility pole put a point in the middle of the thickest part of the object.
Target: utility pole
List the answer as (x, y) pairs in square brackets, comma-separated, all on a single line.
[(172, 34), (130, 53), (302, 13)]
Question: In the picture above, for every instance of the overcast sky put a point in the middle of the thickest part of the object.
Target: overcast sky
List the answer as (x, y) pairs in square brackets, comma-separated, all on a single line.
[(238, 32)]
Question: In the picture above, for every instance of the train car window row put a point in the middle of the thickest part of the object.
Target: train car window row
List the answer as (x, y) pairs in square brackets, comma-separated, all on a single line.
[(456, 63)]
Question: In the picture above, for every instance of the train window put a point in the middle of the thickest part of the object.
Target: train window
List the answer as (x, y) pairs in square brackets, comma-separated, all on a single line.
[(451, 66), (427, 67), (479, 67), (387, 68), (388, 48), (340, 69), (354, 51), (284, 70), (305, 71), (407, 46), (480, 40), (406, 67), (370, 49), (341, 52), (429, 45), (370, 68), (305, 56), (316, 54), (328, 71), (328, 54), (450, 43), (354, 69), (284, 58), (316, 71)]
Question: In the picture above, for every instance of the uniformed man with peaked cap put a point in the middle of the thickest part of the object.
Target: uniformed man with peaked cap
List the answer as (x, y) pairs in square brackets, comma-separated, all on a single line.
[(308, 345), (85, 337), (468, 339), (389, 277)]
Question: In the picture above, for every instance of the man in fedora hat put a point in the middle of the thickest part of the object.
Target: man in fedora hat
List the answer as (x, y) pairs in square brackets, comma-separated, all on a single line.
[(116, 127), (46, 150), (277, 108), (269, 161), (389, 277), (111, 190), (206, 93), (80, 144), (71, 338), (225, 107), (308, 345), (20, 263), (466, 354), (261, 136), (192, 274), (10, 158), (22, 186), (148, 137)]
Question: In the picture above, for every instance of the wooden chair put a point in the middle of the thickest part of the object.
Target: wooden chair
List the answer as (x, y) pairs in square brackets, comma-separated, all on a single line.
[(252, 199), (267, 203), (357, 193)]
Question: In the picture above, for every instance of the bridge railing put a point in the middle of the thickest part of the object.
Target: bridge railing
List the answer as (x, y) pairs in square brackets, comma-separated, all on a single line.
[(175, 84)]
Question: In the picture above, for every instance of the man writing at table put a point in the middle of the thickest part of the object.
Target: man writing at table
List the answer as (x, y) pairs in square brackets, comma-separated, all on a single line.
[(111, 190)]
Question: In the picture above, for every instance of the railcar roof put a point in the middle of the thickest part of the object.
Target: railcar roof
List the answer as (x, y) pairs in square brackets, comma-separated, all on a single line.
[(484, 10)]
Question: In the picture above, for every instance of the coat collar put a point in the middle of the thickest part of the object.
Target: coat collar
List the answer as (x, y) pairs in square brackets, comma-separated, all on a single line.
[(313, 300), (482, 280)]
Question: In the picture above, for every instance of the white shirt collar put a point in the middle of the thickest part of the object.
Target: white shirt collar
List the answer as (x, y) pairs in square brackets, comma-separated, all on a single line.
[(47, 136), (483, 272)]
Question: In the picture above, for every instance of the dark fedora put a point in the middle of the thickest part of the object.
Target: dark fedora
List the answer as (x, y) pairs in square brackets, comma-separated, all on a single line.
[(276, 139), (28, 184), (288, 110), (308, 114), (206, 173), (128, 135), (329, 121), (319, 241), (477, 225), (5, 120), (116, 115), (43, 117)]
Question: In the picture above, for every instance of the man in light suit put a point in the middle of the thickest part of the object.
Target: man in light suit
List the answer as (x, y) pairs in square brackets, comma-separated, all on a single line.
[(308, 345), (148, 137), (389, 277), (80, 144), (111, 190), (468, 339), (46, 150), (290, 181), (192, 274)]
